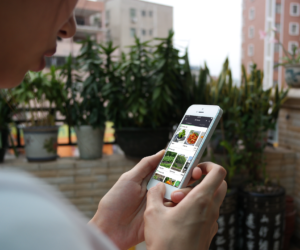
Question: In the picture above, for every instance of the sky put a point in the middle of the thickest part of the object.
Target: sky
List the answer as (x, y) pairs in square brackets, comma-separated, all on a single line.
[(210, 29)]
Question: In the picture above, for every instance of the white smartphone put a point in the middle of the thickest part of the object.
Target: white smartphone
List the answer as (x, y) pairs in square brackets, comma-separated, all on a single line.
[(186, 147)]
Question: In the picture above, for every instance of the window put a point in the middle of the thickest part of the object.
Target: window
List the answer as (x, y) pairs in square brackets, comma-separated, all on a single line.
[(150, 32), (276, 47), (243, 54), (278, 8), (133, 15), (291, 45), (108, 36), (251, 32), (143, 13), (294, 29), (275, 68), (80, 20), (244, 4), (294, 9), (275, 83), (278, 27), (107, 17), (55, 60), (132, 32), (250, 50), (249, 67), (150, 13), (243, 37), (251, 13), (143, 32)]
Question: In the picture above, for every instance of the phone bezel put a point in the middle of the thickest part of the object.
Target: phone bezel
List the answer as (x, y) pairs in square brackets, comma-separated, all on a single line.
[(196, 110)]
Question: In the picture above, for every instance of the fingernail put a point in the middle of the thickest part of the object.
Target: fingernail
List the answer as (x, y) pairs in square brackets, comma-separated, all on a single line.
[(178, 195)]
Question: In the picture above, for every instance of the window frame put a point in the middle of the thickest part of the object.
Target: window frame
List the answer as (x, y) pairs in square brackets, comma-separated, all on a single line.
[(249, 31), (290, 43), (291, 9), (250, 46), (276, 8), (290, 29), (250, 17), (132, 31)]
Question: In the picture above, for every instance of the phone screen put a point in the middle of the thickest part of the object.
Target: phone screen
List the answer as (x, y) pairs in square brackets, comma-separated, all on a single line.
[(182, 149)]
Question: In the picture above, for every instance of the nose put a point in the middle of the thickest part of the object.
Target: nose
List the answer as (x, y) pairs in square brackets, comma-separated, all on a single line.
[(68, 29)]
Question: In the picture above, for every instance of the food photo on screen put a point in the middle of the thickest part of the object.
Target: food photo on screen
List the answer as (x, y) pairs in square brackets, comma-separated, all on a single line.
[(169, 181)]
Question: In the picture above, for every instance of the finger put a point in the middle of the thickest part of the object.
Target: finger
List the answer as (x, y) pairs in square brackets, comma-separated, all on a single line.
[(196, 175), (169, 204), (155, 196), (221, 193), (215, 174), (215, 229), (178, 195), (146, 166)]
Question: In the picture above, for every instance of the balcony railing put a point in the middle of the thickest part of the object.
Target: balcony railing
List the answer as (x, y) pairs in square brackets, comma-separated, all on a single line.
[(58, 121)]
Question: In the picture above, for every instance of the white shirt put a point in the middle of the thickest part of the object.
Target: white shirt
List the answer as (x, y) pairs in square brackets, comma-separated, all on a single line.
[(34, 216)]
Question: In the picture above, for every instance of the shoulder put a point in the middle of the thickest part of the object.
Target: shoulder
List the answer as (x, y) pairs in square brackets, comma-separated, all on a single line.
[(33, 215)]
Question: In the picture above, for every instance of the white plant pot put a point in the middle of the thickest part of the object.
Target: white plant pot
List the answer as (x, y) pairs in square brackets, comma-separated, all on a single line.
[(292, 75), (90, 142), (41, 143)]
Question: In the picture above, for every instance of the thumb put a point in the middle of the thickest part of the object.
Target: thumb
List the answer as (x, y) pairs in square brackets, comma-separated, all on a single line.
[(155, 196)]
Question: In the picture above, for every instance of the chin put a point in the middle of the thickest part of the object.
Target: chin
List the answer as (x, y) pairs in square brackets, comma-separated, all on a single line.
[(8, 82)]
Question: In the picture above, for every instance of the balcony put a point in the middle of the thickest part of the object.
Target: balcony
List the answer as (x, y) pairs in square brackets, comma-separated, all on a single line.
[(88, 29)]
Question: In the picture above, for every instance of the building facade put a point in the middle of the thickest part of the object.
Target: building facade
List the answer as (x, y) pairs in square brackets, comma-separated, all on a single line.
[(89, 17), (263, 16), (125, 19)]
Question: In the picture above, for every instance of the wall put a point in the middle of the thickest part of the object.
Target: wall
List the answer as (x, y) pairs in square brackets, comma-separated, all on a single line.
[(84, 183), (289, 138)]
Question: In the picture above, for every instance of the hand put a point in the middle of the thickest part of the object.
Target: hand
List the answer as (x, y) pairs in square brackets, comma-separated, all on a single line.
[(192, 223), (120, 213)]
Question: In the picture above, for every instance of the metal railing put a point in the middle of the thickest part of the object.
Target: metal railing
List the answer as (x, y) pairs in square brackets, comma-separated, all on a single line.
[(18, 122)]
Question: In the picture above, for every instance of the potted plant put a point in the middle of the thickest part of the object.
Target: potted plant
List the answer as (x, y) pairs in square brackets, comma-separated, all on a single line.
[(40, 95), (146, 96), (249, 112), (7, 109), (85, 110), (291, 60)]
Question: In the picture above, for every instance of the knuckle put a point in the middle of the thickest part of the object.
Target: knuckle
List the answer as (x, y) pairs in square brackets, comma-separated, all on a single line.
[(204, 201), (221, 170), (149, 212), (145, 160)]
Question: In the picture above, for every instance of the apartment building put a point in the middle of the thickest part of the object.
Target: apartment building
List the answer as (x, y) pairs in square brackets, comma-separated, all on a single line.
[(89, 15), (262, 16), (126, 18)]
